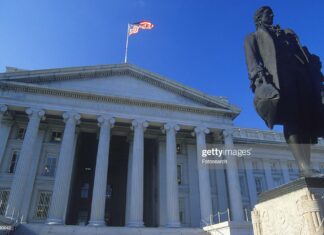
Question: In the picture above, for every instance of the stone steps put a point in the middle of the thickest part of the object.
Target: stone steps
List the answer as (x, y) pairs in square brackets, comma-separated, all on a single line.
[(41, 229)]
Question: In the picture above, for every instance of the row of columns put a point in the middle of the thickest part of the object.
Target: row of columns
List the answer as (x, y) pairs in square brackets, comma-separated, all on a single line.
[(136, 186), (268, 177)]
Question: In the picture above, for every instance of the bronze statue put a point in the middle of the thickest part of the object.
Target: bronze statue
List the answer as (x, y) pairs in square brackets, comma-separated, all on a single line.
[(287, 81)]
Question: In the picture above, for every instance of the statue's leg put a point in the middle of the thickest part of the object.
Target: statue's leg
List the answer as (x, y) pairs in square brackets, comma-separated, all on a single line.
[(306, 145), (301, 152)]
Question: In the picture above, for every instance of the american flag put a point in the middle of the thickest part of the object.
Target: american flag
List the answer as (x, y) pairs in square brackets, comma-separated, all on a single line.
[(135, 27)]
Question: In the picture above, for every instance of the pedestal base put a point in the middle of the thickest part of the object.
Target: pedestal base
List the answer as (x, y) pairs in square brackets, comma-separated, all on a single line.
[(293, 208), (230, 228), (54, 221)]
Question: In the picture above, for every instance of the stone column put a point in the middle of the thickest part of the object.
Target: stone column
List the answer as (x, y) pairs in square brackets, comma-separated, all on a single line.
[(233, 181), (171, 176), (285, 171), (4, 131), (250, 181), (100, 180), (162, 181), (26, 206), (64, 170), (137, 176), (3, 110), (25, 159), (268, 174), (206, 207)]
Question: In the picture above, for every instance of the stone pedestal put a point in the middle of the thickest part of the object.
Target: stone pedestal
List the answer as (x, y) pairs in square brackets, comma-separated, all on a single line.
[(230, 228), (293, 208)]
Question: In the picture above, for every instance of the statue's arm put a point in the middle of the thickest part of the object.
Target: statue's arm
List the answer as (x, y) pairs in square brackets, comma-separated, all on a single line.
[(253, 58)]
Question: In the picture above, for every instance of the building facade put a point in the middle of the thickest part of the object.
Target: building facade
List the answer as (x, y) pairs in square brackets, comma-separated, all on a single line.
[(119, 146)]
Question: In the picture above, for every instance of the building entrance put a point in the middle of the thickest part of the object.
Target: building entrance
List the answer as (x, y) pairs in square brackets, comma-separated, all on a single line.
[(116, 183), (150, 211), (79, 205)]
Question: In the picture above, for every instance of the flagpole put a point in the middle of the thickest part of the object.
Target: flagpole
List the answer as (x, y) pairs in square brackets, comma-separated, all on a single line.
[(125, 61)]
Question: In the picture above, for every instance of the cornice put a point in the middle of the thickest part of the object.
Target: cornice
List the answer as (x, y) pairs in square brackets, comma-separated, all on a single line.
[(51, 75), (36, 89)]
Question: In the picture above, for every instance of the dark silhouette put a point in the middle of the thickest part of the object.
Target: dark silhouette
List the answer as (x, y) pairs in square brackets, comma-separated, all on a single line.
[(287, 81)]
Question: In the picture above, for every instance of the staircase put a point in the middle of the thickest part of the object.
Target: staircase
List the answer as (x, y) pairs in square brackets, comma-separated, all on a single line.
[(7, 225), (42, 229)]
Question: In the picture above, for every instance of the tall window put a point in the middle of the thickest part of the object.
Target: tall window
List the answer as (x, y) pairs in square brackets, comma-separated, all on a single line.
[(56, 136), (274, 166), (85, 190), (179, 174), (50, 166), (21, 133), (322, 168), (4, 195), (43, 204), (290, 167), (179, 149), (255, 165), (244, 191), (259, 184), (182, 210), (13, 161), (277, 181)]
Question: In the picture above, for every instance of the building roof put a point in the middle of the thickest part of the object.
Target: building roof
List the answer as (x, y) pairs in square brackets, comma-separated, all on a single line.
[(40, 78)]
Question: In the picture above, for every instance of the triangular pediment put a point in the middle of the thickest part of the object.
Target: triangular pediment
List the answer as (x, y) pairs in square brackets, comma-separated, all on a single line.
[(122, 86), (124, 80)]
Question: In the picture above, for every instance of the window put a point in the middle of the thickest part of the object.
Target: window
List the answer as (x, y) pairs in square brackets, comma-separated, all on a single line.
[(182, 210), (56, 136), (179, 149), (109, 191), (255, 165), (43, 204), (290, 167), (49, 167), (21, 133), (322, 168), (277, 181), (179, 174), (259, 184), (274, 166), (4, 196), (13, 162), (85, 190), (244, 191)]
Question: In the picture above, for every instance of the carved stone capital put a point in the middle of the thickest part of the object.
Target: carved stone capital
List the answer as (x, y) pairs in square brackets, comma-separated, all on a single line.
[(106, 120), (35, 113), (170, 127), (201, 130), (71, 116), (139, 124), (228, 133)]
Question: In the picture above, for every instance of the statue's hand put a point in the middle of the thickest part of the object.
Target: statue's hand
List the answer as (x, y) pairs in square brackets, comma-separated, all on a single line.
[(260, 78)]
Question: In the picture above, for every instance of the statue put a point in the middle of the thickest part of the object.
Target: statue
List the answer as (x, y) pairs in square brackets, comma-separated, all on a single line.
[(287, 81)]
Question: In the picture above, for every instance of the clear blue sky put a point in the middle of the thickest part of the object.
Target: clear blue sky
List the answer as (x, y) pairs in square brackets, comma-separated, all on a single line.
[(198, 43)]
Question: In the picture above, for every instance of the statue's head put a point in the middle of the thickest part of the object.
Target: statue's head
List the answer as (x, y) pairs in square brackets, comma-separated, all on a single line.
[(263, 16)]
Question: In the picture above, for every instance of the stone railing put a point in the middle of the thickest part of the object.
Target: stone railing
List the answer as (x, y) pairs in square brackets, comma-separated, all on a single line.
[(263, 135)]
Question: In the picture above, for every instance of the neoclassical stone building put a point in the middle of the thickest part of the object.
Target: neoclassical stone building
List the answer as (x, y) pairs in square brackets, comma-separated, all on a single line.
[(118, 146)]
